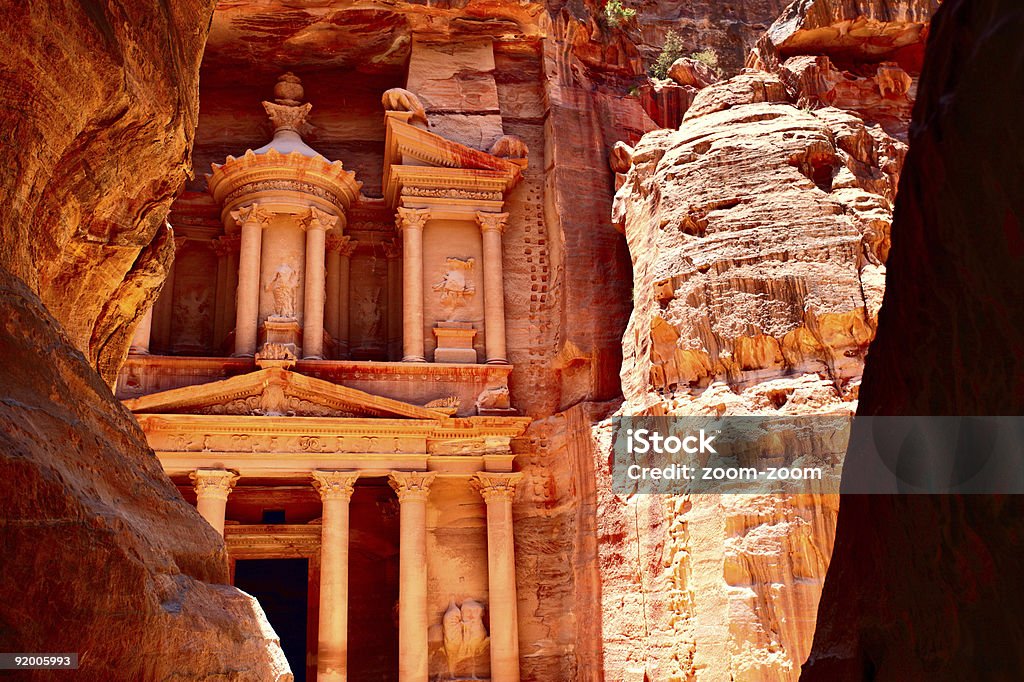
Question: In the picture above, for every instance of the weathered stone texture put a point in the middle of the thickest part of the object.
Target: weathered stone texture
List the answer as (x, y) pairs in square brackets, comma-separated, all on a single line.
[(91, 176), (928, 587), (101, 556)]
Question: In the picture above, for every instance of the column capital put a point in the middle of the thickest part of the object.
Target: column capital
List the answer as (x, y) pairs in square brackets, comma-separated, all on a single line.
[(392, 248), (491, 221), (335, 485), (315, 219), (213, 483), (344, 245), (411, 485), (412, 218), (253, 214), (226, 245), (495, 486)]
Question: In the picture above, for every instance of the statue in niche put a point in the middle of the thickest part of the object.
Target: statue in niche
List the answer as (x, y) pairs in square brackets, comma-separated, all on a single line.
[(283, 287), (465, 638), (455, 286), (369, 310), (193, 313)]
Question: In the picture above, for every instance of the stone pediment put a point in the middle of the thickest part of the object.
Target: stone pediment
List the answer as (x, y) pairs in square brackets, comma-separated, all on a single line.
[(277, 392), (417, 157)]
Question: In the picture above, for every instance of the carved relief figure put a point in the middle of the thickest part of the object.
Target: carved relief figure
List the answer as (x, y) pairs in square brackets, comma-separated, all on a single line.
[(369, 309), (193, 313), (465, 637), (455, 287), (282, 287)]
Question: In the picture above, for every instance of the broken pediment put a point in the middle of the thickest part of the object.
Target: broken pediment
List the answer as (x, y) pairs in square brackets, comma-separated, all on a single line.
[(420, 163), (277, 392)]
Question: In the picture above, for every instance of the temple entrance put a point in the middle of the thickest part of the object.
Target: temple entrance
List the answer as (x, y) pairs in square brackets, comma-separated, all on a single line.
[(281, 587), (373, 583)]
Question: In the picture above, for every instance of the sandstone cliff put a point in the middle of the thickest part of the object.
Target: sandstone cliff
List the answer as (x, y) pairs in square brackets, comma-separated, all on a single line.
[(101, 556), (759, 233), (926, 588)]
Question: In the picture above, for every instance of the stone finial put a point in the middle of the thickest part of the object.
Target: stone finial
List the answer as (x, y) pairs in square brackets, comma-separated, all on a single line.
[(400, 99), (335, 485), (315, 219), (288, 90), (495, 486), (411, 485), (253, 213), (509, 147), (491, 221), (213, 483), (287, 112), (413, 218)]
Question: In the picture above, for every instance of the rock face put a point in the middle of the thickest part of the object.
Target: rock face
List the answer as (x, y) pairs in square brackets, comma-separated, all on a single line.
[(95, 535), (79, 221), (759, 233), (96, 540), (925, 587)]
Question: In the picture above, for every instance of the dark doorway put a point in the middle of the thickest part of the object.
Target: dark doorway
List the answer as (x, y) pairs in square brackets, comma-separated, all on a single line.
[(373, 583), (280, 585)]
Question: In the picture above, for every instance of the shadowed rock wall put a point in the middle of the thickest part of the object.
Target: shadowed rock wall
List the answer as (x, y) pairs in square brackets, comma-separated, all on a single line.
[(100, 555), (927, 588)]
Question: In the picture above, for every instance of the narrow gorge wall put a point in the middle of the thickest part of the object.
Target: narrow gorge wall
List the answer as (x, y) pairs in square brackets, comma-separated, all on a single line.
[(100, 554), (927, 587), (759, 235)]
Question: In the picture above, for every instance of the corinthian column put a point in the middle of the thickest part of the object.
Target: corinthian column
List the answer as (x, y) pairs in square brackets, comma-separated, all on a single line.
[(491, 226), (413, 488), (316, 223), (252, 219), (331, 309), (498, 490), (335, 488), (344, 277), (411, 222), (212, 489), (393, 251)]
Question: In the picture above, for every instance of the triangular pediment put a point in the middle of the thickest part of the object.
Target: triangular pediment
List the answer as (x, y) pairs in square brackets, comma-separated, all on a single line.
[(277, 392)]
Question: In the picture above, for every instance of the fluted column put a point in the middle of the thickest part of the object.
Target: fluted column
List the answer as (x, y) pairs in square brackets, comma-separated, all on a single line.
[(498, 491), (212, 488), (411, 222), (492, 225), (335, 488), (393, 251), (413, 488), (251, 219), (316, 223), (140, 340)]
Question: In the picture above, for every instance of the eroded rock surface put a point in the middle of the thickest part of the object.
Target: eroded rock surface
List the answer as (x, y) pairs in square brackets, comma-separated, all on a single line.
[(101, 556), (927, 588), (759, 235)]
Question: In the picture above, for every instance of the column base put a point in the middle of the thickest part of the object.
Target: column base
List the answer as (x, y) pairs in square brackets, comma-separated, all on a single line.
[(498, 361), (312, 357), (138, 351), (414, 358), (243, 355)]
